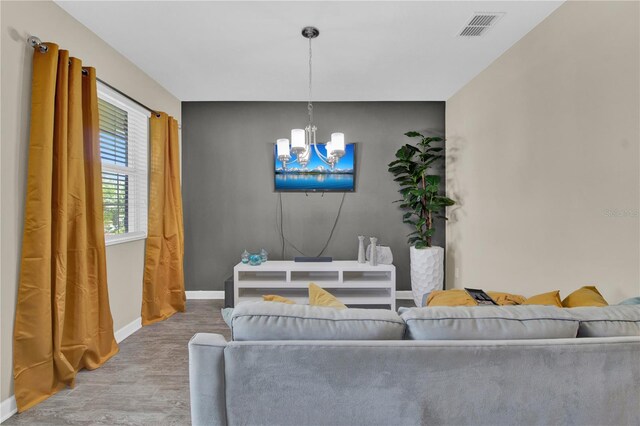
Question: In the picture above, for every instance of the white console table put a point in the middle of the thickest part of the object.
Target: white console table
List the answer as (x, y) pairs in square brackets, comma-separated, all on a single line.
[(351, 282)]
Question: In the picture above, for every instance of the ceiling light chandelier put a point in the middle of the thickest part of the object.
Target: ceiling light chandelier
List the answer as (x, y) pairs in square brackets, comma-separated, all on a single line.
[(304, 140)]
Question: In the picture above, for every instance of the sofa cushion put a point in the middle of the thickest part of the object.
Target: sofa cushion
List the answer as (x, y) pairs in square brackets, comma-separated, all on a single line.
[(551, 298), (489, 323), (584, 296), (507, 299), (608, 321), (454, 297), (279, 321), (321, 297), (276, 298)]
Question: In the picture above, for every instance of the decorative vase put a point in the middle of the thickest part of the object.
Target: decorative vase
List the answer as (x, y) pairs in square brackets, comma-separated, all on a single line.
[(373, 257), (264, 255), (383, 254), (255, 259), (361, 256), (244, 257), (427, 271)]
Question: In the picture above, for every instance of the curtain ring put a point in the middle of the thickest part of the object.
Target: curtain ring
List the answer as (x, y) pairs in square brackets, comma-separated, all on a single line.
[(36, 42)]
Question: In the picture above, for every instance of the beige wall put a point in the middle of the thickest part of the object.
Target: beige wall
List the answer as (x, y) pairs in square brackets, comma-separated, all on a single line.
[(49, 22), (543, 151)]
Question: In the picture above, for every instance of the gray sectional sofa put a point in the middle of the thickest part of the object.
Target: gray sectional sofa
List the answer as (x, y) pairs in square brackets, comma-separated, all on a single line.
[(302, 365)]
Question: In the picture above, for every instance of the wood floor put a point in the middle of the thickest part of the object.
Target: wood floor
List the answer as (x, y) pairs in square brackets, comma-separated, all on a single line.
[(146, 383)]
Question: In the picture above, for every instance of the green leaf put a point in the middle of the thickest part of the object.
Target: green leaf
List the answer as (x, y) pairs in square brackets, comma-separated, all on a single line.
[(413, 134), (437, 149), (421, 245), (398, 169), (432, 179), (414, 239), (444, 201)]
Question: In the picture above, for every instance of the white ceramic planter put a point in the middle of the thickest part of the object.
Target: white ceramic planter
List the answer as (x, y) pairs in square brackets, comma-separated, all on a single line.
[(427, 271)]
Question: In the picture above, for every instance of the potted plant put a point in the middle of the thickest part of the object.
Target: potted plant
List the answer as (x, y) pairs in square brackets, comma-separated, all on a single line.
[(423, 203)]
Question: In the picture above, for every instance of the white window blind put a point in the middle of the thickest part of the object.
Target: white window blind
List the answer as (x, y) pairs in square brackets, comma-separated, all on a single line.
[(124, 140)]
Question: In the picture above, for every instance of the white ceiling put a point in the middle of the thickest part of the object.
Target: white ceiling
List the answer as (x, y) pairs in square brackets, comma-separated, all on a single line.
[(253, 51)]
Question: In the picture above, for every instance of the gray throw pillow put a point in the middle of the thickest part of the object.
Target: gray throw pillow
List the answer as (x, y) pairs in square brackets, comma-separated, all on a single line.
[(630, 301), (226, 315)]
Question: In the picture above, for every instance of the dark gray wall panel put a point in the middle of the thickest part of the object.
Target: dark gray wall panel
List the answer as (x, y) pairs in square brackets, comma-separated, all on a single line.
[(229, 200)]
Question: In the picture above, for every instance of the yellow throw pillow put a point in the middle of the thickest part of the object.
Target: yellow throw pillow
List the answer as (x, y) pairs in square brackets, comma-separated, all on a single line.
[(321, 297), (276, 298), (506, 298), (450, 298), (585, 296), (552, 298)]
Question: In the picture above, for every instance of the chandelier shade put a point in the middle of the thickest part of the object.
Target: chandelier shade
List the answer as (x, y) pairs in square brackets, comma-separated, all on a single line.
[(298, 140)]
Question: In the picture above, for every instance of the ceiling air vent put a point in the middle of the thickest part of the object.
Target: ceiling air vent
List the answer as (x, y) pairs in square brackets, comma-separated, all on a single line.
[(480, 23)]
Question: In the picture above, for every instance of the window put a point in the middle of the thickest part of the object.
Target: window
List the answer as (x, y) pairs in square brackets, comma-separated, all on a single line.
[(124, 139)]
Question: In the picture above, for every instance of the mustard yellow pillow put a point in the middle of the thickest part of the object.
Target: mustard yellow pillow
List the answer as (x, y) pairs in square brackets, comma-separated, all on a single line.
[(321, 297), (450, 298), (585, 296), (506, 298), (552, 298), (276, 298)]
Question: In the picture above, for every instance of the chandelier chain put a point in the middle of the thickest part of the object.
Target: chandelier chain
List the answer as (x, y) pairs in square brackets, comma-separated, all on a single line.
[(309, 104)]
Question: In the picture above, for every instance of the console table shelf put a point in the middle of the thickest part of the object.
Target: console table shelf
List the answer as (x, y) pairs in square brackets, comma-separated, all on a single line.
[(351, 282)]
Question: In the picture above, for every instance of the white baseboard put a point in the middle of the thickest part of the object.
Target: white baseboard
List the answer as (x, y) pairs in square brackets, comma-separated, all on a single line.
[(194, 295), (8, 408), (404, 295), (128, 329)]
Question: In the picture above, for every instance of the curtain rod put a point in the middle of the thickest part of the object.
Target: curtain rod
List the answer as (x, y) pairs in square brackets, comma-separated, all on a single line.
[(35, 42)]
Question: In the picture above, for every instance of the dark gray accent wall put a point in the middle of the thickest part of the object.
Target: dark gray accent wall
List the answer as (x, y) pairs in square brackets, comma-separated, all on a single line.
[(228, 183)]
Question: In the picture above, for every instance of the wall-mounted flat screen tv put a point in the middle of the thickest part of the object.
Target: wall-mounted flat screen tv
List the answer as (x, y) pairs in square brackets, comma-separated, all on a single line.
[(316, 176)]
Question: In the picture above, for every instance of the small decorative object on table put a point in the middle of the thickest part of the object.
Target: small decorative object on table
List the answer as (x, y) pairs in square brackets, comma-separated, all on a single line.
[(373, 258), (245, 257), (255, 259), (384, 255), (264, 255), (361, 256)]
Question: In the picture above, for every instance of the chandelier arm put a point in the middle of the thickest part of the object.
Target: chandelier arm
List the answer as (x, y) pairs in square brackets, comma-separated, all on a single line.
[(320, 156)]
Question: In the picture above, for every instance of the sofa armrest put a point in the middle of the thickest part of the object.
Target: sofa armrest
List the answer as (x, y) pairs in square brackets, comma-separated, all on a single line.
[(206, 379)]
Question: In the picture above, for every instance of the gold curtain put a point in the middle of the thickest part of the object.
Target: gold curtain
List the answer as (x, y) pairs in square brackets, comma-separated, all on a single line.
[(163, 284), (63, 320)]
